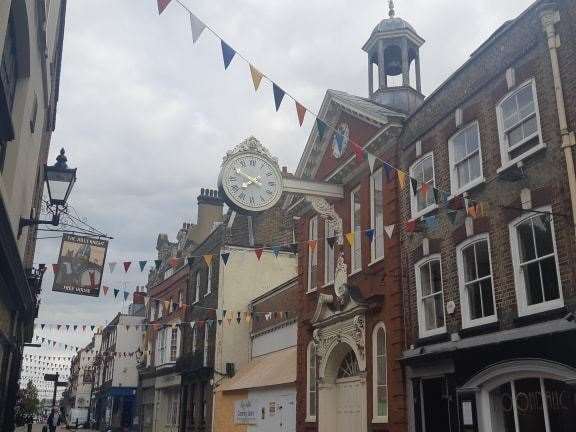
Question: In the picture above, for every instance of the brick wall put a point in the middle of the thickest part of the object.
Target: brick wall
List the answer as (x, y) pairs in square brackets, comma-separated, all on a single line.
[(477, 89)]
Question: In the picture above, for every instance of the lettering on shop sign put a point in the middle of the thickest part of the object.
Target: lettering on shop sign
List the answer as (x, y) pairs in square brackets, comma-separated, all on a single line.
[(532, 401), (245, 412)]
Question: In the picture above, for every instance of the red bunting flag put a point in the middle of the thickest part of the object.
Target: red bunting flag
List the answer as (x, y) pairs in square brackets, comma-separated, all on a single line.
[(411, 226), (55, 268), (301, 111), (162, 5), (127, 265), (312, 244), (258, 252), (358, 151), (105, 289)]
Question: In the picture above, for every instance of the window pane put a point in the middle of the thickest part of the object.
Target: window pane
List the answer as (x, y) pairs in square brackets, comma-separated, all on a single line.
[(530, 126), (474, 166), (430, 313), (428, 169), (425, 280), (532, 283), (469, 264), (487, 298), (463, 173), (543, 235), (525, 241), (515, 136), (529, 405), (525, 102), (561, 400), (439, 302), (459, 143), (502, 408), (380, 342), (474, 301), (482, 258), (472, 139), (550, 279), (382, 401), (436, 278)]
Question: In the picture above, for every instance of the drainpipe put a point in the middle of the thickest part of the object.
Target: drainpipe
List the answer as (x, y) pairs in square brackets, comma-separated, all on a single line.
[(549, 17)]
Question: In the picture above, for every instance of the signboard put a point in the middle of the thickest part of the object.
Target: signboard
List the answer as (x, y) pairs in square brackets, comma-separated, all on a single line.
[(50, 377), (246, 412), (80, 265)]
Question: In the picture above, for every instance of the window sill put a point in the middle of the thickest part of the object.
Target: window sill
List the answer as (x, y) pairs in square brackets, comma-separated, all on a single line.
[(469, 186), (380, 420), (355, 272), (310, 419), (541, 316), (376, 261), (425, 211), (432, 336), (479, 329), (310, 291), (523, 156), (326, 285), (540, 308), (208, 293), (479, 322)]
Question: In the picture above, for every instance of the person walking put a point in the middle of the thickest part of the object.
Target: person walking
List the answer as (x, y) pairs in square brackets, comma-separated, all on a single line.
[(53, 420)]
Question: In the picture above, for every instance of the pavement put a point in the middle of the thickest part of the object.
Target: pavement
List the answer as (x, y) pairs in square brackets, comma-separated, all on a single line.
[(37, 427)]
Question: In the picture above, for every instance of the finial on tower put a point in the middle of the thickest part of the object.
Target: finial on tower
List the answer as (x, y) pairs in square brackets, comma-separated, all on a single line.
[(391, 12)]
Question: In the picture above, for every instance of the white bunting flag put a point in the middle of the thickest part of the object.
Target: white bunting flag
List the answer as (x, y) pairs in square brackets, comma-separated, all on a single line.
[(192, 324), (197, 27), (112, 266), (389, 230), (371, 161)]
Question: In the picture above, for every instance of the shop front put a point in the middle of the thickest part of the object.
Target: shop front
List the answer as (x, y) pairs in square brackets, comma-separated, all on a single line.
[(115, 408)]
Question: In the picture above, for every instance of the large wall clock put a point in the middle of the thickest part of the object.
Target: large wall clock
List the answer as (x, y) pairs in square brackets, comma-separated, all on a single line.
[(250, 180), (340, 140)]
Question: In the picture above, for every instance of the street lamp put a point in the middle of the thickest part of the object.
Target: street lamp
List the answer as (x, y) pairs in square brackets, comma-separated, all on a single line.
[(59, 181)]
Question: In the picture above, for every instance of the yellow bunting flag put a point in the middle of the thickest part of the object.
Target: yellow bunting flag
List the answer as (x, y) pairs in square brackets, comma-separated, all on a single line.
[(256, 77), (401, 178), (312, 244), (208, 259), (350, 238)]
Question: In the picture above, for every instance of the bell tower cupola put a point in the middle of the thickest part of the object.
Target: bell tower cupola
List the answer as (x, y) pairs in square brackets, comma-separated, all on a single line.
[(394, 50)]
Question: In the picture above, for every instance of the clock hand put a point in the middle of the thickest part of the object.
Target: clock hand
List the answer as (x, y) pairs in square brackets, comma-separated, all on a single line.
[(251, 179)]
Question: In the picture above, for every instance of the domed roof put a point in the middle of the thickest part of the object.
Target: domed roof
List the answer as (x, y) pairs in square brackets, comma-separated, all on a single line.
[(392, 24)]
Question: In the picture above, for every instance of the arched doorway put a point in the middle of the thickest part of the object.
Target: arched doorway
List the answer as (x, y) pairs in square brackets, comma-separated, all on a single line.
[(342, 392)]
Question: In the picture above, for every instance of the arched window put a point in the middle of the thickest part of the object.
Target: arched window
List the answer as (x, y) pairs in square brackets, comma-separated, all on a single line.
[(311, 383), (379, 377)]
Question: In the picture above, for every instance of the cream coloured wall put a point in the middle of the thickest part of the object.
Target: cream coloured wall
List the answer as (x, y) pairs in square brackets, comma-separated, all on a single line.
[(241, 280)]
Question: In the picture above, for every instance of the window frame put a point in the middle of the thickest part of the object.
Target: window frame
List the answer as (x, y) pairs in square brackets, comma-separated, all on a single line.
[(375, 417), (208, 281), (467, 322), (312, 255), (197, 288), (502, 138), (329, 253), (357, 234), (373, 258), (311, 347), (194, 340), (454, 187), (413, 198), (421, 317), (176, 346), (521, 299)]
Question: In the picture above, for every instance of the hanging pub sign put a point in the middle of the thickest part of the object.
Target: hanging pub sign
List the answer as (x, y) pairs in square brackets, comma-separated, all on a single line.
[(80, 265)]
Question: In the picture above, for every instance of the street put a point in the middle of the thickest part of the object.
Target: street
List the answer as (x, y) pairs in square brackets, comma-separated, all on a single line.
[(37, 427)]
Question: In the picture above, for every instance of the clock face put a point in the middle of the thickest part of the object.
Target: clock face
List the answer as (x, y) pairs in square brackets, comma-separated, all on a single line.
[(340, 140), (251, 182)]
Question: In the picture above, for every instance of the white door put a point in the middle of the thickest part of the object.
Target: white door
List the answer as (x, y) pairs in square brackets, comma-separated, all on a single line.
[(349, 404)]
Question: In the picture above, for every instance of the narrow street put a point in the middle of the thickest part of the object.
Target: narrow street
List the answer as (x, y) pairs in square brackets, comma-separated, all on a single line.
[(37, 427)]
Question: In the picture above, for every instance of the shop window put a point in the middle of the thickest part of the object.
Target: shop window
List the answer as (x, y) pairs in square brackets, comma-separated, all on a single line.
[(519, 124), (465, 159), (430, 296), (423, 172), (311, 383), (535, 260), (377, 215), (313, 255), (475, 281), (379, 377)]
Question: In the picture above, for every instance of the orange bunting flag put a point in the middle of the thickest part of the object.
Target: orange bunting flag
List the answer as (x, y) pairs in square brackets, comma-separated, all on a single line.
[(256, 77), (312, 244), (208, 259), (258, 252), (358, 151), (301, 111), (401, 178), (350, 238)]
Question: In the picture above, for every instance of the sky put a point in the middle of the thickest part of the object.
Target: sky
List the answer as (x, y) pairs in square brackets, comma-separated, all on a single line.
[(145, 115)]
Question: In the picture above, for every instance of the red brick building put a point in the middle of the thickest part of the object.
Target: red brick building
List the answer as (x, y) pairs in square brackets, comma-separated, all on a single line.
[(489, 288), (351, 333)]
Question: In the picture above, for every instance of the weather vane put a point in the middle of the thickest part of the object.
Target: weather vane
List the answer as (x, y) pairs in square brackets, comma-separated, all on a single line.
[(391, 12)]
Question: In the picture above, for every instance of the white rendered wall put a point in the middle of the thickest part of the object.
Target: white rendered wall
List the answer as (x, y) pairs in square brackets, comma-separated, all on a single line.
[(125, 373), (276, 340)]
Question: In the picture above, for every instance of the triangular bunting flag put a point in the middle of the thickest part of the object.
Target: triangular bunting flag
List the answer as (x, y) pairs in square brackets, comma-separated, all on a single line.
[(452, 216), (105, 289), (162, 5), (371, 161), (370, 234), (208, 259), (55, 268), (142, 264), (197, 27), (258, 252), (389, 230), (456, 203), (227, 54), (312, 245), (331, 241), (389, 171), (350, 238), (126, 294), (190, 261), (301, 111), (112, 266), (225, 257), (278, 95), (411, 226), (401, 178), (116, 291), (321, 127), (358, 151), (256, 77), (42, 326), (276, 250), (127, 265), (431, 222)]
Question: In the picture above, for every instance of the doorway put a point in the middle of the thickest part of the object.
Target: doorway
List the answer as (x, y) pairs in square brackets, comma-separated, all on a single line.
[(434, 405)]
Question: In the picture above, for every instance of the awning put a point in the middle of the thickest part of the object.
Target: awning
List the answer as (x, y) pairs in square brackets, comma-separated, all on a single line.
[(269, 370)]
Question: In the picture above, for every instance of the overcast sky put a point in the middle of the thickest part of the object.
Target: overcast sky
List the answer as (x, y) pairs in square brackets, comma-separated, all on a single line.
[(146, 116)]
